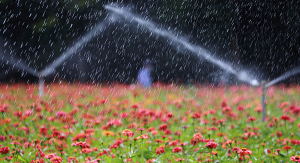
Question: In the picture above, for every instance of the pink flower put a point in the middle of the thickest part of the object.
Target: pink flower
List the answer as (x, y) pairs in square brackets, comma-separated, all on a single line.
[(56, 159), (295, 158), (127, 132), (61, 114), (211, 145)]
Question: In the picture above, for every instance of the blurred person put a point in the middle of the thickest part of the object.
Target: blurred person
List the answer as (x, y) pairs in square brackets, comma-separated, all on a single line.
[(144, 75)]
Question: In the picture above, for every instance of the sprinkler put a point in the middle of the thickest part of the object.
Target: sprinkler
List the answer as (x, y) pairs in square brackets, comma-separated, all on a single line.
[(41, 84), (263, 99)]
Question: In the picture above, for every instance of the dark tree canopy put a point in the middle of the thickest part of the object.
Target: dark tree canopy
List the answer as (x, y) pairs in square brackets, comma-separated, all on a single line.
[(261, 37)]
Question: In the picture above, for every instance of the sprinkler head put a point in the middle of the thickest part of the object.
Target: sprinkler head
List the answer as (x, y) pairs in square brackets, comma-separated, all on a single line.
[(254, 82), (263, 84), (244, 76), (41, 75)]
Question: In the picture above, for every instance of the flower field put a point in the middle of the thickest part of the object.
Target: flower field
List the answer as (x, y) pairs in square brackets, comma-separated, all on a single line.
[(167, 123)]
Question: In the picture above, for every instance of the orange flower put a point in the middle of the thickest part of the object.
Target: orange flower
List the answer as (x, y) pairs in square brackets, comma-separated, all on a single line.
[(214, 152), (108, 133), (143, 137), (229, 141)]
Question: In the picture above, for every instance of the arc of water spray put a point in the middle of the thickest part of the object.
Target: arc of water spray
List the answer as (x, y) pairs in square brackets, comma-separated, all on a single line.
[(165, 33), (86, 38), (51, 68), (17, 63), (284, 76)]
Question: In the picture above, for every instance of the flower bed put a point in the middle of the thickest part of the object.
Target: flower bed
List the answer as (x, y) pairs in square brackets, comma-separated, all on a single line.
[(167, 123)]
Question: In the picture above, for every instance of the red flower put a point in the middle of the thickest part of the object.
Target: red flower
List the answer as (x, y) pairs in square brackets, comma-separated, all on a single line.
[(235, 149), (194, 141), (177, 149), (162, 127), (4, 150), (178, 133), (81, 144), (38, 161), (127, 132), (197, 136), (287, 147), (3, 108), (43, 130), (56, 159), (240, 108), (251, 119), (87, 150), (285, 118), (173, 143), (160, 150), (3, 138), (196, 115), (211, 145), (295, 158), (127, 160), (244, 151), (50, 156)]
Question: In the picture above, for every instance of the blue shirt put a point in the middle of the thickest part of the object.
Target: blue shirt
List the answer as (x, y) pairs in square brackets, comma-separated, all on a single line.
[(144, 77)]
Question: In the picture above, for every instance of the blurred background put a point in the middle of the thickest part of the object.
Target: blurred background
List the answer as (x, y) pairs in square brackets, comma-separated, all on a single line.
[(261, 37)]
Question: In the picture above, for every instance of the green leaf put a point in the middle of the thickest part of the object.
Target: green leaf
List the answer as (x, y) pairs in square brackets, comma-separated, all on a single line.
[(21, 158), (254, 158)]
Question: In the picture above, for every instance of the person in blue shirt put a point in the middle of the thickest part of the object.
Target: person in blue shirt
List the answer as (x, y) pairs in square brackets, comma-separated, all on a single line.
[(144, 75)]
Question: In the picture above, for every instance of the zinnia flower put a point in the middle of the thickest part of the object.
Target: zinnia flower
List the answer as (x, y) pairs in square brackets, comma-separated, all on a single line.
[(211, 145), (56, 159), (287, 147), (177, 149), (127, 132), (160, 150), (41, 160), (4, 150), (179, 159), (295, 158), (244, 151), (197, 136), (250, 119), (285, 118)]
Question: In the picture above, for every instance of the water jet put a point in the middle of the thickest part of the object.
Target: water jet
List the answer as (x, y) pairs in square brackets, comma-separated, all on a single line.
[(286, 75), (197, 50)]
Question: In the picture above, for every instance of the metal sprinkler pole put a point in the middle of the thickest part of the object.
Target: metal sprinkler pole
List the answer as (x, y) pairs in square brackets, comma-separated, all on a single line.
[(41, 85), (263, 101)]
